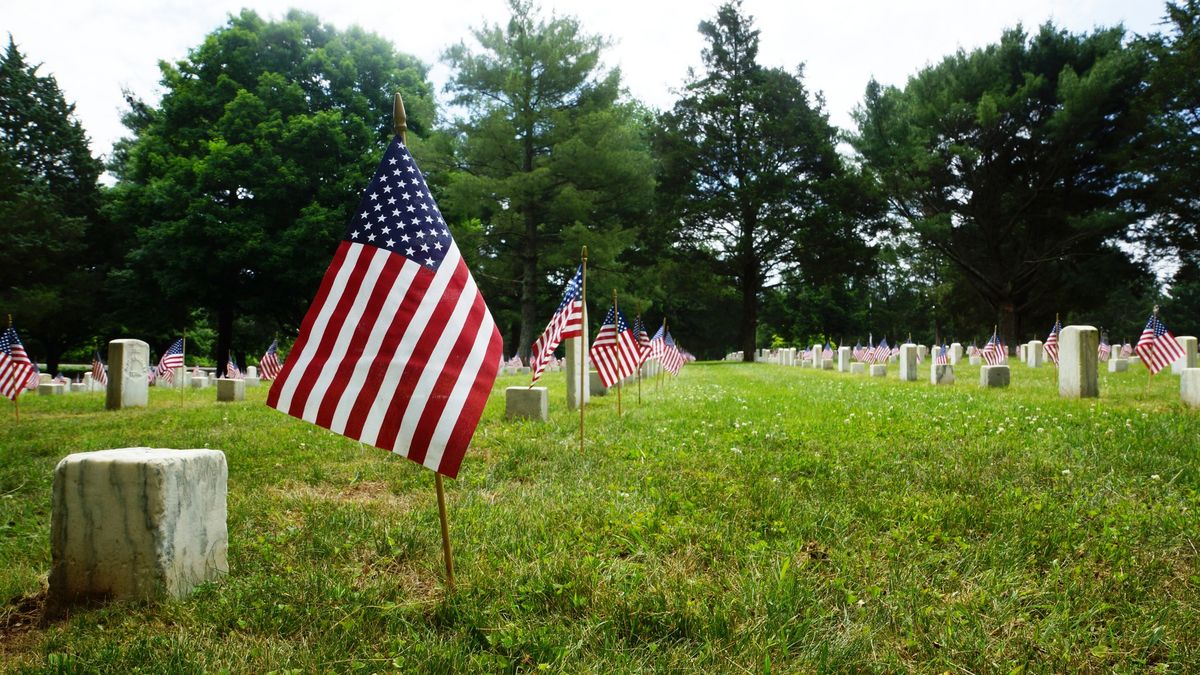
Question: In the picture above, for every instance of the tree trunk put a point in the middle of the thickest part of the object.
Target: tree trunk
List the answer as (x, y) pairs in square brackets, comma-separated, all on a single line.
[(1008, 322), (529, 267), (224, 338), (749, 329), (53, 355)]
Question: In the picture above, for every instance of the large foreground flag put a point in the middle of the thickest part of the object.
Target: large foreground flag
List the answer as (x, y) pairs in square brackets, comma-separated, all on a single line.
[(398, 349), (270, 362), (615, 350), (1157, 347), (566, 323), (16, 370)]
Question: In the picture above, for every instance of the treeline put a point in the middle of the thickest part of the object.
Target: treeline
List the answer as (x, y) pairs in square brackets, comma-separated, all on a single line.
[(1050, 172)]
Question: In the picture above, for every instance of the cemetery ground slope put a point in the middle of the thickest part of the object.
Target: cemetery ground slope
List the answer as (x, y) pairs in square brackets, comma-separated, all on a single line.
[(744, 517)]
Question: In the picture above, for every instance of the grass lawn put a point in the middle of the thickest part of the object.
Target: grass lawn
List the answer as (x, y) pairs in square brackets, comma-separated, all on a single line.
[(742, 518)]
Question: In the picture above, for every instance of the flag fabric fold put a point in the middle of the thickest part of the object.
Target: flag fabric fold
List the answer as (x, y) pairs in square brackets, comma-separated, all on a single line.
[(1051, 344), (398, 349), (269, 365), (170, 360)]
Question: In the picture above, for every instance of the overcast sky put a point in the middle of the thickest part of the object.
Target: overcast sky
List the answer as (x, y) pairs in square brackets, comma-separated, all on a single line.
[(95, 48)]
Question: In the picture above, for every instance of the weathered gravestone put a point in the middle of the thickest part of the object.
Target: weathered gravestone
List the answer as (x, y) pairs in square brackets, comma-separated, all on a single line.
[(993, 376), (50, 389), (595, 386), (230, 390), (878, 370), (858, 368), (975, 360), (908, 362), (1077, 362), (1118, 365), (576, 349), (137, 523), (128, 361), (941, 374), (530, 403)]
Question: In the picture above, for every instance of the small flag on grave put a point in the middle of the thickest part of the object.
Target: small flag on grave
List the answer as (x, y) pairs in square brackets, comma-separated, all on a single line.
[(269, 363), (16, 370), (1051, 345), (99, 373), (566, 323), (1157, 347), (171, 359)]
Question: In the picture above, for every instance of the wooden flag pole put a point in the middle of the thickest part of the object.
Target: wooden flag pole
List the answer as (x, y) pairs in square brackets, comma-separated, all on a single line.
[(583, 383), (447, 554), (183, 372), (617, 325), (400, 128)]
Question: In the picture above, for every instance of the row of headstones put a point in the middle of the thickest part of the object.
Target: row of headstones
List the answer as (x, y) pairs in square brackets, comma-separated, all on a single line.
[(129, 386), (1077, 369)]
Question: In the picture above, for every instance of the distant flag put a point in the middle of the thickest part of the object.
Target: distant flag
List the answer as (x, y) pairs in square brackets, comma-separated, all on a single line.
[(231, 369), (672, 359), (1104, 350), (1051, 344), (566, 323), (994, 351), (880, 353), (941, 355), (1126, 350), (658, 343), (858, 352), (615, 349), (99, 374), (1157, 347), (270, 362), (643, 339), (16, 370), (973, 350), (171, 359), (828, 352), (398, 349)]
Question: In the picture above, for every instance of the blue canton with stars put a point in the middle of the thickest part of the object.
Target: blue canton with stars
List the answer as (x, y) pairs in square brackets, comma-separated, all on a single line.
[(574, 289), (398, 214), (622, 324)]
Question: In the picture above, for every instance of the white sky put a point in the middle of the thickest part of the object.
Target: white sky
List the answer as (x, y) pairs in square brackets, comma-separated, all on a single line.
[(95, 48)]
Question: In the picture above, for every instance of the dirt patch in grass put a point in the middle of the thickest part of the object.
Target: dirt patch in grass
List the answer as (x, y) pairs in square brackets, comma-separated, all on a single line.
[(20, 617)]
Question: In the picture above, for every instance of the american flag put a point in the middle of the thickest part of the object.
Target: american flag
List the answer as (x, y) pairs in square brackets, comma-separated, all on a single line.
[(994, 352), (672, 360), (858, 352), (1104, 350), (973, 350), (1157, 347), (658, 344), (231, 369), (941, 355), (615, 350), (270, 362), (880, 353), (827, 353), (398, 349), (1051, 345), (171, 359), (1126, 350), (567, 322), (99, 374), (643, 339), (16, 370)]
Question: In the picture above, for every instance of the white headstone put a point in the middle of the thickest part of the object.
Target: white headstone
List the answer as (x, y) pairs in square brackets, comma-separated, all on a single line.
[(1034, 353), (858, 368), (51, 389), (576, 349), (128, 363), (251, 371), (975, 360), (1189, 387), (845, 356), (878, 370), (817, 356), (922, 352), (1118, 365), (595, 386), (956, 353), (137, 523), (908, 362), (1188, 360), (1077, 362)]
